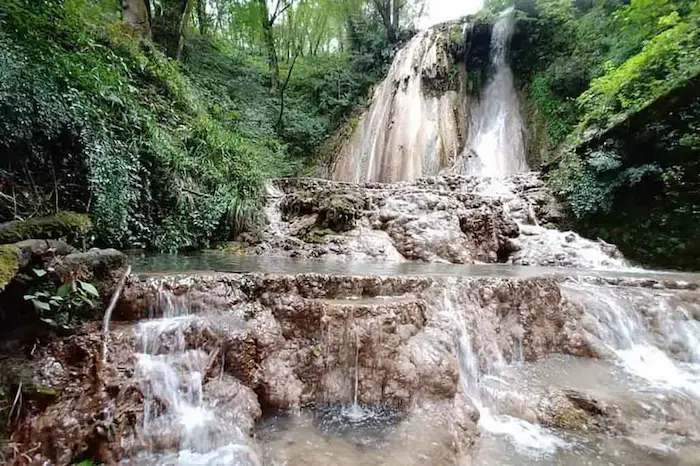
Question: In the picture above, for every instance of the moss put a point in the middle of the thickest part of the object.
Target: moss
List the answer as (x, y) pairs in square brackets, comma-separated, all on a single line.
[(62, 225), (571, 419), (339, 213), (236, 248), (9, 264), (318, 235), (298, 204)]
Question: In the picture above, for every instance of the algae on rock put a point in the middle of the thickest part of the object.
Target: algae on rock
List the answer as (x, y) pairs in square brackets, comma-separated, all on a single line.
[(69, 225), (9, 263)]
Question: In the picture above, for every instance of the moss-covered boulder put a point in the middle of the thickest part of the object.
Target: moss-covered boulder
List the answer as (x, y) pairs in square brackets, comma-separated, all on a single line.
[(68, 225), (299, 203), (339, 212), (9, 263)]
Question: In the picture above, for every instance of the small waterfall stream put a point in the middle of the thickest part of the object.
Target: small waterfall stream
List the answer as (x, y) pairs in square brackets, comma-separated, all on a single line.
[(652, 335), (176, 416), (495, 146)]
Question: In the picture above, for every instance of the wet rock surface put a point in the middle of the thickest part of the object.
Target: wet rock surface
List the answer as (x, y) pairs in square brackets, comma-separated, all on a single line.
[(454, 219), (277, 342)]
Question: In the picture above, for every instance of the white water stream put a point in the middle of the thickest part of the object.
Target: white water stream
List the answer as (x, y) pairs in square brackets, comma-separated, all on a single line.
[(495, 146), (179, 427)]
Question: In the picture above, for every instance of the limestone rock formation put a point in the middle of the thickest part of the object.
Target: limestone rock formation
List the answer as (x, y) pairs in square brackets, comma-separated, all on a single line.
[(276, 342), (453, 219)]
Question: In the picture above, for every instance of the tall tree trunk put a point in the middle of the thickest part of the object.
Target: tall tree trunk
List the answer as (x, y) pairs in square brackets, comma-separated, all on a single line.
[(137, 13), (384, 9), (271, 54), (202, 17), (187, 12), (395, 16), (268, 35)]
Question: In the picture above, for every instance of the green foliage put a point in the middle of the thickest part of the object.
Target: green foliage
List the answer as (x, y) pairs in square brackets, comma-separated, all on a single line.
[(666, 60), (560, 115), (615, 84), (64, 306), (101, 110), (167, 155)]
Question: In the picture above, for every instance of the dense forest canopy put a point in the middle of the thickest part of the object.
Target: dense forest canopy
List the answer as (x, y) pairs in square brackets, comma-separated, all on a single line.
[(174, 112)]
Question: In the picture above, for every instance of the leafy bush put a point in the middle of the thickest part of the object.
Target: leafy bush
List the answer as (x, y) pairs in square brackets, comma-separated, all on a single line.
[(89, 106), (667, 59), (163, 155), (64, 306)]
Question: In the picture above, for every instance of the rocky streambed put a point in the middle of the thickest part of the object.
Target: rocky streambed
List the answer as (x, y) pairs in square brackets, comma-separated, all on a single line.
[(448, 219), (265, 368)]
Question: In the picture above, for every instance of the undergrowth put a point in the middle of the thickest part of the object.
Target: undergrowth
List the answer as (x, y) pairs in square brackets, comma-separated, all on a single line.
[(162, 154)]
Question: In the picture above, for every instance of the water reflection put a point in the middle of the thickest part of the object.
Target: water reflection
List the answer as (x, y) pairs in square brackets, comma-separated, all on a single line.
[(216, 261)]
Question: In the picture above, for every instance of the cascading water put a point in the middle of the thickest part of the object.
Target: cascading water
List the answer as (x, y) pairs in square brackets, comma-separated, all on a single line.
[(652, 335), (495, 146), (474, 328), (176, 416), (407, 131)]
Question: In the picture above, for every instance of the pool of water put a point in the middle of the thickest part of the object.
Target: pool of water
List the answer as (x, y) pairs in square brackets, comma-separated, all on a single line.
[(214, 261), (646, 438)]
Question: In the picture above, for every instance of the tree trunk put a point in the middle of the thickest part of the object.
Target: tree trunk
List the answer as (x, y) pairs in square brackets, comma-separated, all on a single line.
[(384, 9), (187, 12), (202, 17), (137, 14), (271, 54), (167, 25), (269, 37), (395, 16), (284, 87)]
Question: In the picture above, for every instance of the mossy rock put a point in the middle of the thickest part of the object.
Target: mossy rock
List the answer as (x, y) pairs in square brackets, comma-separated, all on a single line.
[(68, 225), (318, 236), (339, 213), (299, 203), (9, 263), (571, 418)]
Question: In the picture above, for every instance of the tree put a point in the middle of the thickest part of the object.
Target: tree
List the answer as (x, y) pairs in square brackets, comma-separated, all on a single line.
[(186, 13), (395, 13), (202, 17), (268, 21), (137, 13)]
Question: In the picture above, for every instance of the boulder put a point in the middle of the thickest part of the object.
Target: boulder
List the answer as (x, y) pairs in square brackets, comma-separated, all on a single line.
[(68, 225)]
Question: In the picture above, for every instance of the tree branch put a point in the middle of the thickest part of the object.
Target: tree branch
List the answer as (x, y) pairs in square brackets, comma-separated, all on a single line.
[(279, 12), (284, 86)]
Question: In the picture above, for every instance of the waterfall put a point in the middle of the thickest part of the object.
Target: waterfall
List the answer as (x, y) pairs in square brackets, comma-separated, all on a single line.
[(415, 128), (479, 357), (408, 131), (495, 146), (652, 335), (175, 413)]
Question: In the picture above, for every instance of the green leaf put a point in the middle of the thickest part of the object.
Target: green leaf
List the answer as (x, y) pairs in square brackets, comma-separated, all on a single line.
[(89, 289), (63, 290), (41, 305), (87, 301), (39, 272), (50, 322)]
